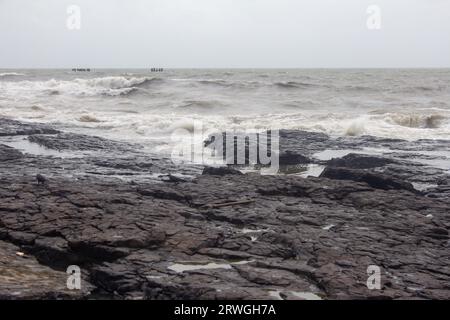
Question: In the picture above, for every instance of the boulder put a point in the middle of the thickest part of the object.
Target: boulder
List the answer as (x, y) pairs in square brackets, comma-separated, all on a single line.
[(375, 180), (220, 171)]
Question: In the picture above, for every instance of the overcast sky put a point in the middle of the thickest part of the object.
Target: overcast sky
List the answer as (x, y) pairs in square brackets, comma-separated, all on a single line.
[(224, 34)]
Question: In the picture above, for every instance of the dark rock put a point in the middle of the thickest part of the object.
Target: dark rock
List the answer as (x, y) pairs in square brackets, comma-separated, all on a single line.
[(444, 181), (290, 158), (10, 127), (271, 237), (41, 179), (163, 193), (220, 171), (132, 248), (21, 238), (375, 180), (22, 277), (7, 153), (359, 161), (288, 154), (71, 141), (55, 251), (174, 179)]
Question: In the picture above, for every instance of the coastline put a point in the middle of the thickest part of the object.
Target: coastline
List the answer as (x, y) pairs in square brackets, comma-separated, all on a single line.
[(138, 234)]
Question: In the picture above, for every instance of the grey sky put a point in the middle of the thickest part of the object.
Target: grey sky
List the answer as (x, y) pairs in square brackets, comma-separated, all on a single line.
[(224, 33)]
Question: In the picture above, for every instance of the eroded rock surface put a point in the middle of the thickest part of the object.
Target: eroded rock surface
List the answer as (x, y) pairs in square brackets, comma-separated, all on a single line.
[(22, 277), (9, 127), (222, 236)]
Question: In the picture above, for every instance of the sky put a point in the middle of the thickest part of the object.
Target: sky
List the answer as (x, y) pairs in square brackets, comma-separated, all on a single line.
[(225, 34)]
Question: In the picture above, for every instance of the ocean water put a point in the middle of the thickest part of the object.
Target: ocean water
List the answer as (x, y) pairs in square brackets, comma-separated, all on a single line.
[(146, 107)]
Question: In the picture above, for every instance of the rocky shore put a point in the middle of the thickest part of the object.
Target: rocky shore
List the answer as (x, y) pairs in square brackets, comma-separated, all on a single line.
[(140, 227)]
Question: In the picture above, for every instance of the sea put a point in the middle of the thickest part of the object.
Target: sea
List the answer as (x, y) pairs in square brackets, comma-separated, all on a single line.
[(148, 107)]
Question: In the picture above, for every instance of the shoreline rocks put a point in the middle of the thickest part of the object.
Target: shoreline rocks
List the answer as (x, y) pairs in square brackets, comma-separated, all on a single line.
[(375, 180), (220, 235)]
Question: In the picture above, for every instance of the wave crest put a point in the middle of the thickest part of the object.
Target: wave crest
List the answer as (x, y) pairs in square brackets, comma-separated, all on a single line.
[(114, 82), (105, 86), (11, 74), (425, 121), (293, 84), (88, 118)]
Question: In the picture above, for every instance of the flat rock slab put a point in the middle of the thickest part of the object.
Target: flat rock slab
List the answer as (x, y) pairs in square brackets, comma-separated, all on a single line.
[(9, 127), (160, 241), (22, 277), (79, 142)]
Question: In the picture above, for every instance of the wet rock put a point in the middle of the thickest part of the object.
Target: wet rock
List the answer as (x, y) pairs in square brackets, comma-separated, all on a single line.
[(54, 251), (375, 180), (230, 236), (220, 171), (162, 192), (174, 179), (359, 161), (7, 153), (41, 179), (291, 158), (9, 127), (288, 154), (71, 141), (444, 181), (129, 246), (441, 192), (22, 277)]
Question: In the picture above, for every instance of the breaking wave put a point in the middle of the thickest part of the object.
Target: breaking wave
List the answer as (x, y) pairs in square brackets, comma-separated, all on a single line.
[(113, 82), (216, 82), (88, 118), (293, 84), (223, 83), (425, 121), (11, 74), (399, 125), (142, 106), (105, 86), (201, 105)]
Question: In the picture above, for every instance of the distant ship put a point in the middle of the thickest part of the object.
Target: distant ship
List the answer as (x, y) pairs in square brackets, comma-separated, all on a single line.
[(81, 70)]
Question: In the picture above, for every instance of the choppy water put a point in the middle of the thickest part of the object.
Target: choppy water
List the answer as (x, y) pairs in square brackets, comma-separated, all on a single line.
[(138, 105)]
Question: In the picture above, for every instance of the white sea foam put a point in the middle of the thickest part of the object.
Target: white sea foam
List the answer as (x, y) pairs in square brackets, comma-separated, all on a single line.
[(11, 74), (109, 86), (333, 102), (88, 118)]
